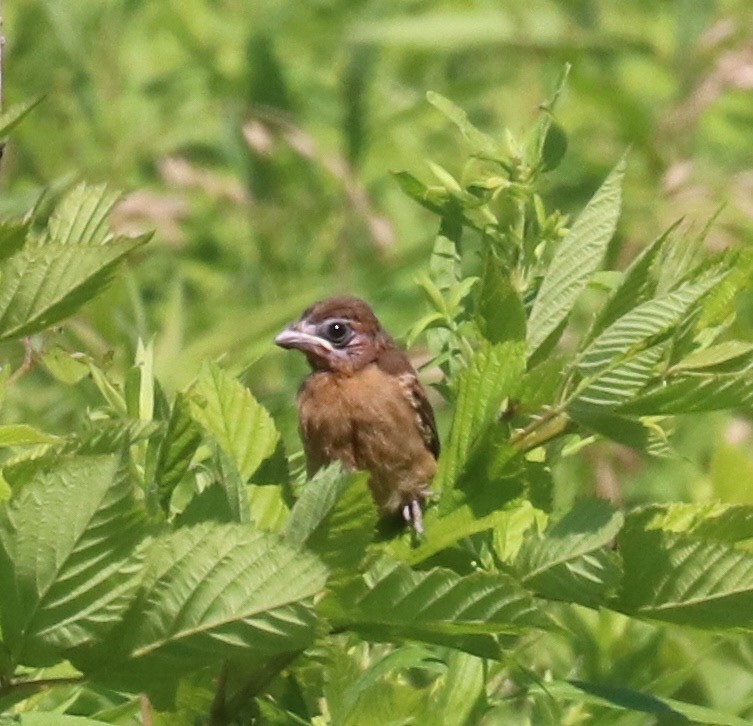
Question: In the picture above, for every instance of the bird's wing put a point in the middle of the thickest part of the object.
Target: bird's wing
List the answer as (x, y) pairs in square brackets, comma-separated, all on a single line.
[(394, 362)]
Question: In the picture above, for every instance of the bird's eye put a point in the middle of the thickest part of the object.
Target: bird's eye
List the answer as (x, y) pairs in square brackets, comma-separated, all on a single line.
[(337, 332)]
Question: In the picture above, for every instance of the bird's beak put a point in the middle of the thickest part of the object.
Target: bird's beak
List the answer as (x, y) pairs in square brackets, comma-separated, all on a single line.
[(302, 336)]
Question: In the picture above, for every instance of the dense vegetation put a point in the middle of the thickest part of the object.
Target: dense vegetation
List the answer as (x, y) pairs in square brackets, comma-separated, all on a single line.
[(582, 311)]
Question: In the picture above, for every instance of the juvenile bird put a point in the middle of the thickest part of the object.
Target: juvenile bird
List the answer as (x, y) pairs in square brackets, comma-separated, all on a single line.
[(362, 404)]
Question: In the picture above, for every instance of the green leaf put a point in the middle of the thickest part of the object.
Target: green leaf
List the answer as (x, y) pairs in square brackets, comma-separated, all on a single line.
[(575, 260), (110, 436), (209, 593), (15, 114), (459, 691), (481, 144), (638, 285), (176, 449), (139, 383), (573, 560), (67, 564), (617, 383), (64, 366), (714, 356), (432, 198), (707, 520), (234, 488), (436, 606), (12, 238), (444, 263), (268, 507), (239, 423), (334, 517), (695, 393), (554, 147), (666, 710), (493, 375), (499, 308), (23, 435), (642, 326), (683, 579), (81, 217), (50, 279)]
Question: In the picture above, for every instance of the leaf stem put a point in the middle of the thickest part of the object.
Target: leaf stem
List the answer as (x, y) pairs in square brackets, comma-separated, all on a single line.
[(551, 424)]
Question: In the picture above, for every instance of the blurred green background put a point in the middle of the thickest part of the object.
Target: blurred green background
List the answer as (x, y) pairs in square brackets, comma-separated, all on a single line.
[(257, 139)]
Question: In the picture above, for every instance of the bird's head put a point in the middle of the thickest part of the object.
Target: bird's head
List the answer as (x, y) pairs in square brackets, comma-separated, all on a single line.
[(340, 334)]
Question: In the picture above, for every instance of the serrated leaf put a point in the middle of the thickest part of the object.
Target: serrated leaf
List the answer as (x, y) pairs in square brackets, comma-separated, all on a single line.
[(435, 606), (212, 592), (176, 449), (493, 374), (67, 564), (683, 579), (267, 505), (110, 436), (44, 284), (239, 423), (573, 560), (81, 216), (575, 260), (618, 383), (695, 393), (334, 517), (638, 285), (642, 326), (714, 356)]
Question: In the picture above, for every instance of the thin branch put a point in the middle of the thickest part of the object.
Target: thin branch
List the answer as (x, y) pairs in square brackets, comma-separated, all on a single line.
[(29, 362), (551, 424), (218, 709), (38, 685)]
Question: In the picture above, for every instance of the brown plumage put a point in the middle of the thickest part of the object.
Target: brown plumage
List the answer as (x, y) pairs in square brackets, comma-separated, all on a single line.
[(363, 404)]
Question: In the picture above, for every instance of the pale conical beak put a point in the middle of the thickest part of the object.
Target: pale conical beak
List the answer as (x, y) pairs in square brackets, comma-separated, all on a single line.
[(302, 336)]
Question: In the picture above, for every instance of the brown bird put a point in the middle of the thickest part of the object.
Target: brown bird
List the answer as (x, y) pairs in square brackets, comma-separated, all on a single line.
[(363, 405)]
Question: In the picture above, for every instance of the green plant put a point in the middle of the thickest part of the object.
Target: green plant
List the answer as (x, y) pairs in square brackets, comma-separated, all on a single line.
[(167, 549)]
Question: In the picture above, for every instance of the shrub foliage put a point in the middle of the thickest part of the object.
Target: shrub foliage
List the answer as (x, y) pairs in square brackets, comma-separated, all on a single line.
[(166, 548)]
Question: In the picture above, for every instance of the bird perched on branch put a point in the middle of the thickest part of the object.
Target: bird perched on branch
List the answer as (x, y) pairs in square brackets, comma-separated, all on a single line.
[(363, 405)]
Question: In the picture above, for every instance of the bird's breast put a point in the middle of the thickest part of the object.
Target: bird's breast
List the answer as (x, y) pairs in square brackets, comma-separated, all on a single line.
[(368, 422)]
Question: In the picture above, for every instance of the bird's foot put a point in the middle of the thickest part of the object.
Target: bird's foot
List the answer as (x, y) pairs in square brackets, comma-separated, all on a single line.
[(413, 515)]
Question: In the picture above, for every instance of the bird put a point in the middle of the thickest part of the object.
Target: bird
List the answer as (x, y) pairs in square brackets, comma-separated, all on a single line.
[(363, 405)]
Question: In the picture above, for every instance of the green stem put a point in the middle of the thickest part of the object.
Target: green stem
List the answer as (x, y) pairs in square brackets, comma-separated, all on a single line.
[(548, 426)]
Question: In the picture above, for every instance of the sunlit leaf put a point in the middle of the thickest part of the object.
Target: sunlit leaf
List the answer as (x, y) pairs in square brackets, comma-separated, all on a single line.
[(436, 606), (210, 592), (493, 375), (68, 568), (684, 579), (575, 260), (573, 560), (50, 279), (176, 449), (239, 423)]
